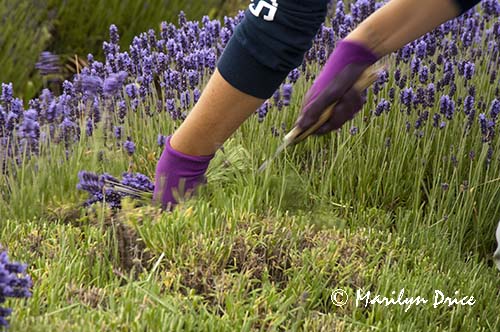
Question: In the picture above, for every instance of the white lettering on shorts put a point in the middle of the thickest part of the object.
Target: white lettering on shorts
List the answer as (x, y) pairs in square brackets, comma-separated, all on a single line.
[(272, 8)]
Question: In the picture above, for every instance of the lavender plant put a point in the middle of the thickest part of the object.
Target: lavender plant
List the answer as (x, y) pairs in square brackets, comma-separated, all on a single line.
[(444, 85), (14, 283)]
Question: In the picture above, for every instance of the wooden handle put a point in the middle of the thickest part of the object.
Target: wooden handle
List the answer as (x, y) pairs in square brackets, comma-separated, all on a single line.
[(367, 78)]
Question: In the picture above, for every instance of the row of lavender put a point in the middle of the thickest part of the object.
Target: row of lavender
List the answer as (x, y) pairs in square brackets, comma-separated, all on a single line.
[(164, 74)]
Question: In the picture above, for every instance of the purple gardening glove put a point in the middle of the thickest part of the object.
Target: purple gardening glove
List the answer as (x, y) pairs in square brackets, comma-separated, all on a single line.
[(178, 174), (335, 84)]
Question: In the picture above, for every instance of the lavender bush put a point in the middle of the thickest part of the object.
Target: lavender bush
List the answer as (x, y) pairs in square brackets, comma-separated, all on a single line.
[(14, 283), (163, 73)]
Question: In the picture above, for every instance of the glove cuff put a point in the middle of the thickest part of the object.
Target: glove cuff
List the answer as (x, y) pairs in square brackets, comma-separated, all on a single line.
[(350, 51), (182, 157)]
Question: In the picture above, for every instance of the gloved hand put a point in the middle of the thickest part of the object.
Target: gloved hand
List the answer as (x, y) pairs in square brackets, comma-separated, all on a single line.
[(335, 83), (178, 174)]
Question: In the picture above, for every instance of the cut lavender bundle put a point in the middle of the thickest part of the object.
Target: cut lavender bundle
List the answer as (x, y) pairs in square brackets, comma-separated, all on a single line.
[(106, 188)]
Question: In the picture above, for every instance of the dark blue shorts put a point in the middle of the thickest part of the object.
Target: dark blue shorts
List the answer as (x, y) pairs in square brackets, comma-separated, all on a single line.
[(269, 43), (465, 5)]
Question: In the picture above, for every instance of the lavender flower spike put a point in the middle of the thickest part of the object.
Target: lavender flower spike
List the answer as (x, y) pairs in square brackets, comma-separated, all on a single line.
[(114, 83), (14, 283)]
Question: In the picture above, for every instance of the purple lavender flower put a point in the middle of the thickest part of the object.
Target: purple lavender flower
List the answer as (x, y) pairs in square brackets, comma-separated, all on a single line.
[(89, 127), (95, 186), (162, 140), (294, 76), (118, 132), (129, 146), (101, 188), (402, 81), (454, 161), (276, 96), (7, 93), (185, 99), (449, 68), (131, 90), (453, 89), (423, 74), (196, 95), (392, 94), (69, 131), (382, 106), (435, 120), (415, 65), (171, 108), (48, 63), (406, 97), (193, 78), (397, 75), (29, 130), (3, 120), (447, 106), (113, 84), (263, 110), (489, 156), (421, 119), (420, 97), (468, 104), (406, 52), (287, 94), (495, 109), (182, 19), (483, 124), (353, 131), (90, 84), (421, 49), (432, 67), (493, 76), (14, 283), (137, 181), (68, 88), (114, 37), (469, 69), (89, 181), (472, 155)]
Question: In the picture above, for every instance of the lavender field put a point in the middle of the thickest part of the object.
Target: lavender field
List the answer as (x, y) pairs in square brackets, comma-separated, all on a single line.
[(406, 196)]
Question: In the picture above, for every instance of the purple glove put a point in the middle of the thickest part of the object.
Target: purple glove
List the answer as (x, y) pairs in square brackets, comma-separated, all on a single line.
[(335, 83), (178, 173)]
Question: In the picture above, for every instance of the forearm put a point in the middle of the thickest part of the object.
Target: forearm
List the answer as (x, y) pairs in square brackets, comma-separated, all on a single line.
[(219, 112), (402, 21)]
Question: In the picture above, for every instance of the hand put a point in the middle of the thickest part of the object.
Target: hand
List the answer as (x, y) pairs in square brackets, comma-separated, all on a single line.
[(336, 84), (178, 175)]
